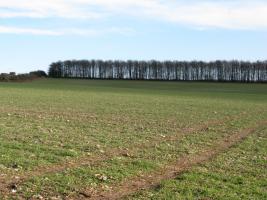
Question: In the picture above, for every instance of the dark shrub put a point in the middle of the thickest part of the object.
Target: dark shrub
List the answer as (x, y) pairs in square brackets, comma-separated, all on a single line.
[(39, 73)]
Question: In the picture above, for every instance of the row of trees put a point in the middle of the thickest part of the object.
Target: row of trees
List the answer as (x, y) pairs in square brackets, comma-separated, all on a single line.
[(12, 76), (156, 70)]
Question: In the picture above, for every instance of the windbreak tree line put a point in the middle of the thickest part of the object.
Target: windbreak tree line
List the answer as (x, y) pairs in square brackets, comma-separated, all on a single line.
[(166, 70), (12, 76)]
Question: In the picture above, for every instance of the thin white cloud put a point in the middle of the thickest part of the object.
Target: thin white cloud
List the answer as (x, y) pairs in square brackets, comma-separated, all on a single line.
[(73, 31), (234, 14), (32, 31), (45, 8)]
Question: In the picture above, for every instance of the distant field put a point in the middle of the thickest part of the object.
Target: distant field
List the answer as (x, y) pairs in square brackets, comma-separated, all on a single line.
[(95, 139)]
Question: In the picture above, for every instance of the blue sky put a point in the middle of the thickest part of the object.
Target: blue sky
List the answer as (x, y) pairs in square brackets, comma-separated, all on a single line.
[(35, 33)]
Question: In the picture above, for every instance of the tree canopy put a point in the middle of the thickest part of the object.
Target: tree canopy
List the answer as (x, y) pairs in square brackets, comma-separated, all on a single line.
[(161, 70)]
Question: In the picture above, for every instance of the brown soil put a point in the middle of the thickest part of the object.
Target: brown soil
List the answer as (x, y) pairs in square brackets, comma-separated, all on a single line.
[(20, 80)]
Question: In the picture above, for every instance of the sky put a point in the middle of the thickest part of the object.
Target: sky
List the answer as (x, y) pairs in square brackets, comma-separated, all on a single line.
[(35, 33)]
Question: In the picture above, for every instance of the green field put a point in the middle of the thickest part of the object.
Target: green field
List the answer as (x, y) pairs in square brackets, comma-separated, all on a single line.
[(78, 139)]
